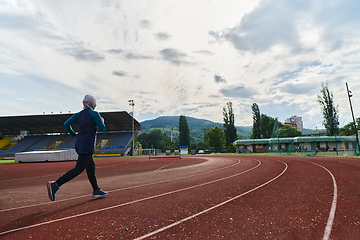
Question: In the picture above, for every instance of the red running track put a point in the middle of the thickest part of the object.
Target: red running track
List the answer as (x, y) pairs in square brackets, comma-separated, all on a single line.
[(207, 197)]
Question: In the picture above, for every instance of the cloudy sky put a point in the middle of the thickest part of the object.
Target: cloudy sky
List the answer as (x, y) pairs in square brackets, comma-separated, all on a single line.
[(187, 57)]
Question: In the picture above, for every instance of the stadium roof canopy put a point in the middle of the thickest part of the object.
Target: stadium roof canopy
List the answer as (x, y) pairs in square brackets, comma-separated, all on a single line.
[(53, 123)]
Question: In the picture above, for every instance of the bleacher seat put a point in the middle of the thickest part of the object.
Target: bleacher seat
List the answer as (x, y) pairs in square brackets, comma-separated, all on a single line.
[(117, 144), (69, 143), (25, 144), (42, 143)]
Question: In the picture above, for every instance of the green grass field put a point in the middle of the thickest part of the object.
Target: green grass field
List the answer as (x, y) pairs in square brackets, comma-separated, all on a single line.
[(7, 161)]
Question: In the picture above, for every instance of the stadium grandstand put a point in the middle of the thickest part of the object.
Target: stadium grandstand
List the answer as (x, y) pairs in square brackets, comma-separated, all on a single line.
[(46, 132)]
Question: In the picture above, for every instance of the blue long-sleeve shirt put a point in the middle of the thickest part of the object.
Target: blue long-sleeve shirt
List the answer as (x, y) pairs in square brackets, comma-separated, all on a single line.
[(88, 121)]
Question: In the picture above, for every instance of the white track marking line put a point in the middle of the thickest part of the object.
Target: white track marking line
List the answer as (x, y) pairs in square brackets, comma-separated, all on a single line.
[(209, 209), (106, 166), (132, 202), (120, 189), (12, 180), (45, 203), (207, 160), (57, 174), (164, 166), (331, 218)]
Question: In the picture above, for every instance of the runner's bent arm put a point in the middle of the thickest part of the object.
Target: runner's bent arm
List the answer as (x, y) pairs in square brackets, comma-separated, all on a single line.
[(68, 123)]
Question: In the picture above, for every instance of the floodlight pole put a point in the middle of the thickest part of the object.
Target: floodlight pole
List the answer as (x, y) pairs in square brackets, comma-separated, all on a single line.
[(352, 113), (132, 104)]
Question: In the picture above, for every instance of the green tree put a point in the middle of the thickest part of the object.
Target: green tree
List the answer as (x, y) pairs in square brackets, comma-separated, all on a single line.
[(154, 139), (184, 132), (232, 148), (171, 145), (349, 129), (266, 126), (329, 110), (215, 137), (229, 124), (287, 131), (141, 138), (138, 145), (200, 145), (256, 122)]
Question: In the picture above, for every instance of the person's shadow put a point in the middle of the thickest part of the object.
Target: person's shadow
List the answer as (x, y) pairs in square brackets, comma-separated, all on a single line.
[(37, 218)]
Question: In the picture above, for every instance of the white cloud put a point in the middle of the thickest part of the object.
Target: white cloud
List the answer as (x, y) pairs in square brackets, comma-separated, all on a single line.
[(181, 57)]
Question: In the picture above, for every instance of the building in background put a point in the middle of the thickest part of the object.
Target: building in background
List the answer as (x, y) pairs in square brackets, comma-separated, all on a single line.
[(295, 122)]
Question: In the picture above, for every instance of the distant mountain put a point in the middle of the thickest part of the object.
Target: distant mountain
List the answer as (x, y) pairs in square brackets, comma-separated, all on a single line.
[(307, 130), (197, 127)]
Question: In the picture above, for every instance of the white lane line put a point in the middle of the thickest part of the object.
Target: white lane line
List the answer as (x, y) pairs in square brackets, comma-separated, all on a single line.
[(164, 166), (106, 166), (128, 203), (212, 208), (19, 179), (54, 174), (331, 218), (121, 189), (173, 163)]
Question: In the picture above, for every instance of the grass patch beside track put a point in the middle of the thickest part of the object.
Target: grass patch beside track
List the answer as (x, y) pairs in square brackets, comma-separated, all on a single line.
[(7, 161)]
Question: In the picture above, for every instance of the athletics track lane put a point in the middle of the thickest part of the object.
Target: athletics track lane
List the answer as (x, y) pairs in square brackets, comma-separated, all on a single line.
[(294, 206)]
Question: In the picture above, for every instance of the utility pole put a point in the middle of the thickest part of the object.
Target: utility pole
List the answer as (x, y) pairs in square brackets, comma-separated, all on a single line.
[(132, 104), (352, 113)]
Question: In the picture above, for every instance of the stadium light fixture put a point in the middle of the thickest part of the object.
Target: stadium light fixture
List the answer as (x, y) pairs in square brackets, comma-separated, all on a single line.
[(132, 104)]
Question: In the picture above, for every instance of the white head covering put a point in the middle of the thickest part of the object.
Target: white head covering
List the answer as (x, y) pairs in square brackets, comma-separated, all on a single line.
[(89, 102)]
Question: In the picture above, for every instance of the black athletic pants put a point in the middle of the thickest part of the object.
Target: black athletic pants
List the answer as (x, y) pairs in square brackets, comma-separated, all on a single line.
[(85, 161)]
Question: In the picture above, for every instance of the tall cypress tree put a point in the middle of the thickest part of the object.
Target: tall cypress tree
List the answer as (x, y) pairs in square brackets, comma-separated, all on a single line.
[(184, 132), (229, 124), (329, 110), (256, 132)]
